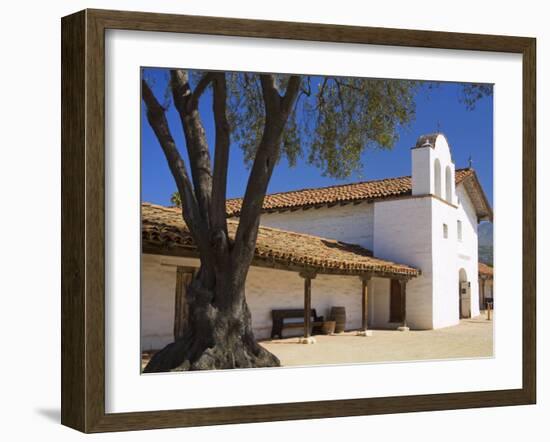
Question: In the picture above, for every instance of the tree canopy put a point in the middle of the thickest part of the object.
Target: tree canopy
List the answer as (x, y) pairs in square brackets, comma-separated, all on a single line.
[(333, 120)]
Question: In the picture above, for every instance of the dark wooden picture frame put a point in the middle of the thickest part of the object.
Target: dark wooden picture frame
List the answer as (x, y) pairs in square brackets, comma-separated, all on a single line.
[(83, 220)]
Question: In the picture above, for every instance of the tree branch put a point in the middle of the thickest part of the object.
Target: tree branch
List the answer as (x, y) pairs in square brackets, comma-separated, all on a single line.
[(277, 110), (190, 210), (307, 91), (291, 93), (271, 95), (203, 83), (249, 220), (195, 138), (321, 93), (221, 157), (349, 86), (346, 116)]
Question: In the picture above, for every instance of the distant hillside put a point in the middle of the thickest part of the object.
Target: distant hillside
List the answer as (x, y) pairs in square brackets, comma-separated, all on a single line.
[(485, 242)]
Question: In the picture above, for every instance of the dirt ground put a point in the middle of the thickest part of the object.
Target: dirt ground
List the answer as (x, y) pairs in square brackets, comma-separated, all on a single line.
[(471, 338)]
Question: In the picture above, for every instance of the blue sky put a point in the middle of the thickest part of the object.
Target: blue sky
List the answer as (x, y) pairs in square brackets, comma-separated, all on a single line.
[(469, 132)]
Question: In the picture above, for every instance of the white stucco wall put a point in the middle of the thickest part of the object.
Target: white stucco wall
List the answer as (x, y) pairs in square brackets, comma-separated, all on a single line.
[(445, 266), (468, 247), (158, 287), (402, 233), (266, 289), (412, 231), (350, 223), (422, 160), (424, 174)]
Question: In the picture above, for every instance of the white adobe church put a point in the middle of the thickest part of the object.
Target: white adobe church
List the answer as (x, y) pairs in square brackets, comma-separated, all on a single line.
[(396, 253)]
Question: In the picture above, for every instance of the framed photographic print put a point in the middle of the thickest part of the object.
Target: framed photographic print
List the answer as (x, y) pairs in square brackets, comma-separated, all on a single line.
[(267, 221)]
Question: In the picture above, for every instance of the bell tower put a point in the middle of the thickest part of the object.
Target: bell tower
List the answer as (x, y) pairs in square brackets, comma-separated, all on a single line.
[(433, 170)]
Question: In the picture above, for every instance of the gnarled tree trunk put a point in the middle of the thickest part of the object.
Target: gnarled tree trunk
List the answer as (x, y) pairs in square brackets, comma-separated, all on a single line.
[(219, 333), (217, 337)]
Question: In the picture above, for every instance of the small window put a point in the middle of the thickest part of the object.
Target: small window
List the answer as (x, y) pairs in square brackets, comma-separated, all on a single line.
[(445, 231), (459, 230)]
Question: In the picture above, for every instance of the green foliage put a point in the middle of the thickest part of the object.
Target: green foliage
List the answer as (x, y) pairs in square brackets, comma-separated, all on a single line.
[(333, 121), (473, 92), (175, 199)]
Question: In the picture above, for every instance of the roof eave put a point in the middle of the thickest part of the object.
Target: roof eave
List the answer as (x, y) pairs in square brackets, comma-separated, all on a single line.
[(153, 248), (485, 212)]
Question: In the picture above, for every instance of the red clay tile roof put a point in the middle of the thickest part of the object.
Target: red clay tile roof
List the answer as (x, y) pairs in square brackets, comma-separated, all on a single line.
[(485, 270), (163, 231), (346, 193)]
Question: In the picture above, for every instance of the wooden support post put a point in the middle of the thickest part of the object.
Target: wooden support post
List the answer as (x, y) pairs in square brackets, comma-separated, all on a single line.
[(307, 307), (403, 285), (307, 339), (482, 292), (364, 301), (364, 305)]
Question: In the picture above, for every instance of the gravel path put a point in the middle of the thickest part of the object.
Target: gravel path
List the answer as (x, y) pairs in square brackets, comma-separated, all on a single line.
[(471, 338)]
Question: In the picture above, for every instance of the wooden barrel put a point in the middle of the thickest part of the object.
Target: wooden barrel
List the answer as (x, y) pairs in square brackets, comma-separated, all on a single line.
[(338, 314)]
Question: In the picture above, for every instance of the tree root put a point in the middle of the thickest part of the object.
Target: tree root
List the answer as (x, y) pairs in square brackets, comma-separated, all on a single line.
[(234, 351)]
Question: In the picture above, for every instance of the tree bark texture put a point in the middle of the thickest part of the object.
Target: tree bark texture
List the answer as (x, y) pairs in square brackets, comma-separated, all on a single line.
[(214, 339)]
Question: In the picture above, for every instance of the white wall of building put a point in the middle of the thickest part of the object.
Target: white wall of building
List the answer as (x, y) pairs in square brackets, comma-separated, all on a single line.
[(444, 238), (445, 261), (468, 247), (266, 289), (423, 231), (433, 170), (350, 223), (403, 234), (158, 292), (423, 182)]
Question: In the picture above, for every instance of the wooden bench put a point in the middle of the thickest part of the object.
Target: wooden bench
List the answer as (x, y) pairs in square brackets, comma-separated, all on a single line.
[(279, 323)]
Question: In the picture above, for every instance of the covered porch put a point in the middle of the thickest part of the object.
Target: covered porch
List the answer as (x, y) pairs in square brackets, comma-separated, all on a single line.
[(290, 271), (337, 314)]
